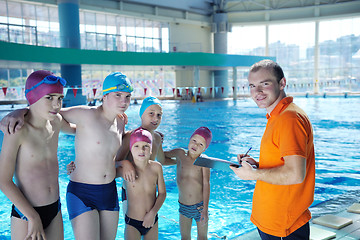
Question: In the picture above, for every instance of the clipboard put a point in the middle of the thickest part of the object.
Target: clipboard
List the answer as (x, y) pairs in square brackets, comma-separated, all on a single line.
[(215, 163)]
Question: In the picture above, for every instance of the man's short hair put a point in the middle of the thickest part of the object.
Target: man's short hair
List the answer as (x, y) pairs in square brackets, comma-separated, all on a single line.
[(269, 65)]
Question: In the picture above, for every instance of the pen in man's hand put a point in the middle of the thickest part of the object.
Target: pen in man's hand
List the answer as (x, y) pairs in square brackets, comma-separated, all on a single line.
[(247, 152)]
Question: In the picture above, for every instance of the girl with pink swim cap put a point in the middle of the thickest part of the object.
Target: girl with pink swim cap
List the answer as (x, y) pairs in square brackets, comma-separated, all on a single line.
[(30, 155), (147, 193), (193, 184)]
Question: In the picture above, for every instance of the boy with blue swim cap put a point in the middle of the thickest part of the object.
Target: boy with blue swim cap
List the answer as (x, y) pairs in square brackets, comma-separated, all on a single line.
[(116, 82), (147, 102), (151, 116)]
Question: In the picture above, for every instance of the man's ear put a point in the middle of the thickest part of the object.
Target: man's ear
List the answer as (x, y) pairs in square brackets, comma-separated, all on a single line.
[(282, 83)]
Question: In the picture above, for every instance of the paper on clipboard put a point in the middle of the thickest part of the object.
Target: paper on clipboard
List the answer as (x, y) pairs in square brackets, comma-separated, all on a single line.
[(216, 163)]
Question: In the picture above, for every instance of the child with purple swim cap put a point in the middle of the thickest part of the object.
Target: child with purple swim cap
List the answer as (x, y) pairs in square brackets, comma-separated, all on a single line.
[(98, 139), (205, 133), (30, 155), (193, 184), (40, 83), (147, 193), (140, 135)]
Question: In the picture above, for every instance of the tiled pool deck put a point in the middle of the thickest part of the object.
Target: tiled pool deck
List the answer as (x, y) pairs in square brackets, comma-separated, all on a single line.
[(320, 232)]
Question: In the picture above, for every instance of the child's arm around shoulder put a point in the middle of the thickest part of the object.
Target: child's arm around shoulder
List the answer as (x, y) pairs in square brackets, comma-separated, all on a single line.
[(13, 121), (124, 168), (175, 153), (66, 127), (77, 114), (160, 156)]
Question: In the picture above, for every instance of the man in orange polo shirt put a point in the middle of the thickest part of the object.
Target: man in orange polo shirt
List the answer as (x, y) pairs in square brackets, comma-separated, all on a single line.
[(285, 173)]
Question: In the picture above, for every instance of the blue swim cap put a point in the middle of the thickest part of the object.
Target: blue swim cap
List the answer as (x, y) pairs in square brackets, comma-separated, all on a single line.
[(117, 82), (147, 102)]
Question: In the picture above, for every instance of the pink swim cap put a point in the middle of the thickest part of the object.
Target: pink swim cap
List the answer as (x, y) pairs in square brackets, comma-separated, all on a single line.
[(205, 133), (140, 135), (41, 83)]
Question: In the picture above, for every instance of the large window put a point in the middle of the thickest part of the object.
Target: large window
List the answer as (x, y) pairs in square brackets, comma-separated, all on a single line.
[(293, 45), (38, 24), (339, 54), (33, 24)]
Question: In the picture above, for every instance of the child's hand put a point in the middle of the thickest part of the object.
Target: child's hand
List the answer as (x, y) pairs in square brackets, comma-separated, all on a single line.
[(70, 168), (204, 216), (123, 117), (128, 171), (12, 122), (161, 135), (35, 229), (149, 220)]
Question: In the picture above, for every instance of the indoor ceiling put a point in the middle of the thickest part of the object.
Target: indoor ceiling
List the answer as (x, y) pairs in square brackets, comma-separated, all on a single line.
[(238, 11), (243, 11)]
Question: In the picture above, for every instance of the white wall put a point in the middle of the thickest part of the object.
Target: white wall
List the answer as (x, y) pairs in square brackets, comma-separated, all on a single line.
[(191, 38)]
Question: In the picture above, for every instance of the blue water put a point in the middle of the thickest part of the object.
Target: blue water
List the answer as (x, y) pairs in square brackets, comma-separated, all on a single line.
[(236, 125)]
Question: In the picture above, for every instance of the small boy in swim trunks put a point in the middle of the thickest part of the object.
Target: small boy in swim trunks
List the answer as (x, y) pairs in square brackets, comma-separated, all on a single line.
[(144, 201), (193, 183), (151, 115), (92, 198), (31, 155)]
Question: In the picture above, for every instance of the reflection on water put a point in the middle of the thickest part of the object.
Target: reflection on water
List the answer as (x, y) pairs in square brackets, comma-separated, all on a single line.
[(237, 125)]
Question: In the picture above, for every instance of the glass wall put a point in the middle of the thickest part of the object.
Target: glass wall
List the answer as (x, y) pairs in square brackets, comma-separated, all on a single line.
[(33, 24), (29, 24), (293, 45), (36, 24), (147, 80)]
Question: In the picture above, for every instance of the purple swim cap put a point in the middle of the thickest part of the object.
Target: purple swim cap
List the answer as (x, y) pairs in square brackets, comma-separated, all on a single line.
[(140, 135), (41, 83), (205, 133)]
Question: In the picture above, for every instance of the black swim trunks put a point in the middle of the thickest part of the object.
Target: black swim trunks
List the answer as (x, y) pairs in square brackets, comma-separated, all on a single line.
[(47, 213), (139, 224)]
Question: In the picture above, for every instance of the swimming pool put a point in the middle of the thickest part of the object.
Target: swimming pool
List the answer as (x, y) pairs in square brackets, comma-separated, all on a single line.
[(236, 125)]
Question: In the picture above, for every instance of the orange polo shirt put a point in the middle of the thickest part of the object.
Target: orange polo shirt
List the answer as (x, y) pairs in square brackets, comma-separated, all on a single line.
[(279, 210)]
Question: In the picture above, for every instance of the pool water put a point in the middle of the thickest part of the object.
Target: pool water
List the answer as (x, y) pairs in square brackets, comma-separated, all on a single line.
[(236, 125)]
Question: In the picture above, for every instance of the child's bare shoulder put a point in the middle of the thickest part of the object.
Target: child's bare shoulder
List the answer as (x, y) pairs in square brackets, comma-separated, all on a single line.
[(57, 121), (80, 112), (159, 137), (155, 164), (180, 151)]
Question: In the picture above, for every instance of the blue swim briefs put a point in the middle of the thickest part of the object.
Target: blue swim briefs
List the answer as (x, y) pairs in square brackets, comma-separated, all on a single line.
[(83, 197), (191, 211)]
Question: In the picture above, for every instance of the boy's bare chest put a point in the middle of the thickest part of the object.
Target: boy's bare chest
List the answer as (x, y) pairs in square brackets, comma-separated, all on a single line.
[(187, 169), (144, 183), (40, 145), (104, 135)]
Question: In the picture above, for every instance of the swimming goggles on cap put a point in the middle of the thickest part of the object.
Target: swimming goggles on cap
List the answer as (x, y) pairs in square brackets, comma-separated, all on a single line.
[(51, 79), (121, 87)]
